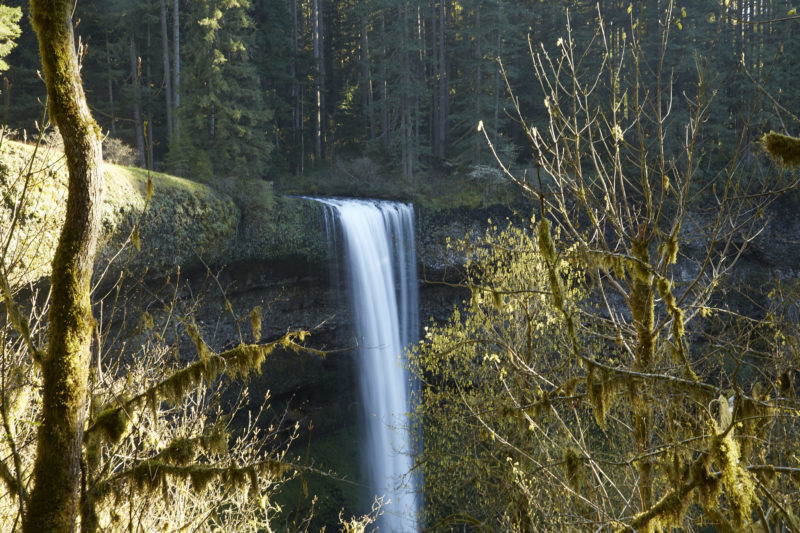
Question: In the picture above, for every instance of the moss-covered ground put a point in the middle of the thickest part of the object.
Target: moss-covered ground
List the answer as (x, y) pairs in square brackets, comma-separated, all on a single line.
[(185, 224)]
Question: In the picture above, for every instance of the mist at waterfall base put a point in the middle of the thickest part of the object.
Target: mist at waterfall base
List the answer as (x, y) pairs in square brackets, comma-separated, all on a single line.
[(376, 239)]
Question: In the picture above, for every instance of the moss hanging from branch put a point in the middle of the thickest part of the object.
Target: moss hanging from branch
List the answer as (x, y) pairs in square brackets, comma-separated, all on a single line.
[(784, 148), (112, 423)]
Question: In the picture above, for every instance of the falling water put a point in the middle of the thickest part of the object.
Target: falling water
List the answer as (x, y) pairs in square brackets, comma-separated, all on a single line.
[(380, 261)]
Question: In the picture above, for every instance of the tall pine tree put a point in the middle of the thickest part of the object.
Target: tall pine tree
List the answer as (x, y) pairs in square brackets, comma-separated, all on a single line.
[(224, 124)]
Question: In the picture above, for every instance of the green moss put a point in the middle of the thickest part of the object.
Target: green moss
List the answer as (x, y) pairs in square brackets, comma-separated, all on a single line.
[(111, 423), (784, 148), (186, 221)]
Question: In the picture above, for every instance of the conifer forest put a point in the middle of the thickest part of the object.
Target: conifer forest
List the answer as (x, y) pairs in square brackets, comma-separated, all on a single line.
[(400, 266)]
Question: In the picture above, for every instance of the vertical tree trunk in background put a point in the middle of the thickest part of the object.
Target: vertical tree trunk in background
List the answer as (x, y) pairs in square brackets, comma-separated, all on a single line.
[(167, 69), (406, 155), (420, 70), (384, 86), (366, 76), (478, 81), (319, 78), (176, 63), (110, 88), (148, 82), (137, 102), (497, 81), (297, 115), (440, 140), (55, 497)]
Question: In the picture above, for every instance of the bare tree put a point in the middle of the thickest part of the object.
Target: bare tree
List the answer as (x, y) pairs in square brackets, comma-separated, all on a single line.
[(633, 397)]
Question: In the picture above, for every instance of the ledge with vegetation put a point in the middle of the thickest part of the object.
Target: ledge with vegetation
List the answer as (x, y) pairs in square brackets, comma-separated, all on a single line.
[(185, 224)]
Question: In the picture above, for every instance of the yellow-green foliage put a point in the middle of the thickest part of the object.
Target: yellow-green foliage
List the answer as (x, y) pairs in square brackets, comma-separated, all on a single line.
[(9, 31), (33, 193), (486, 410)]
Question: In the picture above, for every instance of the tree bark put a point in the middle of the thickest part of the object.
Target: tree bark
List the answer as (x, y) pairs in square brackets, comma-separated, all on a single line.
[(137, 101), (440, 140), (297, 113), (642, 306), (385, 86), (54, 500), (167, 69), (110, 88), (319, 80), (366, 76), (176, 63), (478, 143)]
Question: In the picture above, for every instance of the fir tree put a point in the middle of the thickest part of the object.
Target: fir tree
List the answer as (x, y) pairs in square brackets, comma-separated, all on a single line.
[(223, 119)]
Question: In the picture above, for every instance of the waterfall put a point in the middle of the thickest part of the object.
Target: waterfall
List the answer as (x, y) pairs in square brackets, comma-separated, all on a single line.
[(380, 264)]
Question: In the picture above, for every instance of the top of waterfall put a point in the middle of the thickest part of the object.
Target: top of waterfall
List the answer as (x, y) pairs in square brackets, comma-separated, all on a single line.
[(338, 201)]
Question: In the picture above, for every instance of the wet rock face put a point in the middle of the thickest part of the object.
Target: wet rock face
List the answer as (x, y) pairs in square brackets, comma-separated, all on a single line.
[(301, 292), (297, 294)]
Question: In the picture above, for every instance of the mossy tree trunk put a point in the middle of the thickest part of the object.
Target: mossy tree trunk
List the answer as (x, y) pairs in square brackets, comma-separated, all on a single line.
[(642, 305), (57, 470)]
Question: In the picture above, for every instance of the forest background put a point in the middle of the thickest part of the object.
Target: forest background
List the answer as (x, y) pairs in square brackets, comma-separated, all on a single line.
[(383, 91)]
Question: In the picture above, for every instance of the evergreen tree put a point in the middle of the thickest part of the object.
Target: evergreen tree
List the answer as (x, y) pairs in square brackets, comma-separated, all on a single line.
[(223, 120), (9, 31)]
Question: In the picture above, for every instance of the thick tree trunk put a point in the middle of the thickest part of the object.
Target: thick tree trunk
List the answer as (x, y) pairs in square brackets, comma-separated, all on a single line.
[(478, 83), (54, 500), (297, 113), (148, 82)]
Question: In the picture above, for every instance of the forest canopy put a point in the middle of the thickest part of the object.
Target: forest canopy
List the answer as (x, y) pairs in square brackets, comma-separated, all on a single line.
[(283, 87)]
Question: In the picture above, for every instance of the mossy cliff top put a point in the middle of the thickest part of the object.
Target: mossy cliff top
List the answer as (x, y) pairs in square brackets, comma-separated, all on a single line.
[(186, 224)]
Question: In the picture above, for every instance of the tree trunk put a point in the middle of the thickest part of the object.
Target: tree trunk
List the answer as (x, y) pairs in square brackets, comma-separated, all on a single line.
[(478, 83), (385, 85), (366, 76), (167, 69), (148, 82), (440, 140), (318, 80), (54, 500), (137, 102), (297, 113), (642, 306), (110, 89), (176, 63), (497, 81)]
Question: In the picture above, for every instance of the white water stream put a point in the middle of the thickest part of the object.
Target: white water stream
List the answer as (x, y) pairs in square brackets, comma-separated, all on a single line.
[(380, 265)]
